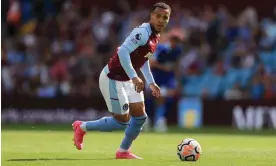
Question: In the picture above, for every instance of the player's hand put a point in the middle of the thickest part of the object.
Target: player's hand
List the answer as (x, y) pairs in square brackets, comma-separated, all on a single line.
[(138, 84), (155, 89)]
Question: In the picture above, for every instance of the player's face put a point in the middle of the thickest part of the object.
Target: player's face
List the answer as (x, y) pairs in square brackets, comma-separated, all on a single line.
[(160, 18)]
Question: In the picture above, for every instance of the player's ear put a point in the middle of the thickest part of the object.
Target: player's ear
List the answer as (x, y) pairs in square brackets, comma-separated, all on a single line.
[(169, 16), (151, 15)]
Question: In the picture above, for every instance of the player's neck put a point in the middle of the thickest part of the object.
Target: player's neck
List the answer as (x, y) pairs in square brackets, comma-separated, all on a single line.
[(153, 30)]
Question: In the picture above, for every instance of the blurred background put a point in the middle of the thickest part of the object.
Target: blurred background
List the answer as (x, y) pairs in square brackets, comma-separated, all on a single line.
[(53, 51)]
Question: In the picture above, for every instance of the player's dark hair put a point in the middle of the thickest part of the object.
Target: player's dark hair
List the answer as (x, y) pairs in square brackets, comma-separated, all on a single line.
[(161, 5)]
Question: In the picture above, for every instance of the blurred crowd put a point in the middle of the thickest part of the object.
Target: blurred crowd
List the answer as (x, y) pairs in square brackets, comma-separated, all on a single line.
[(58, 49)]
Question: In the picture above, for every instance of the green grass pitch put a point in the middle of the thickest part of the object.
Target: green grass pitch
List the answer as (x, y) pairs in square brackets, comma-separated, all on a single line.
[(46, 146)]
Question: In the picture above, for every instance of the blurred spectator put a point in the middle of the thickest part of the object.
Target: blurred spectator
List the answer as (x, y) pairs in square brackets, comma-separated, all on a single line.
[(58, 48), (257, 89)]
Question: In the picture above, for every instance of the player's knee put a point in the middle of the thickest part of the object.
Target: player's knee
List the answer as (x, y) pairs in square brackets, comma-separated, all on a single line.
[(137, 109)]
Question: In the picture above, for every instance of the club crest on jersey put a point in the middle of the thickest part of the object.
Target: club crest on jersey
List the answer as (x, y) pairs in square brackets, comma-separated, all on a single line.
[(149, 54)]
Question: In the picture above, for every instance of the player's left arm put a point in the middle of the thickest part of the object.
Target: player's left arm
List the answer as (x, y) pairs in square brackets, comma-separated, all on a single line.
[(150, 80), (147, 73)]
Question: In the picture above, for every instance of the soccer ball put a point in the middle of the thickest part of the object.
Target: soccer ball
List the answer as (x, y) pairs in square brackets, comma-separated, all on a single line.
[(189, 150)]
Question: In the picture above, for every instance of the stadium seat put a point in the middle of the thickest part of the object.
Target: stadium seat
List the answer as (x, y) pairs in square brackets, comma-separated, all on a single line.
[(266, 58), (244, 76), (230, 78), (213, 84)]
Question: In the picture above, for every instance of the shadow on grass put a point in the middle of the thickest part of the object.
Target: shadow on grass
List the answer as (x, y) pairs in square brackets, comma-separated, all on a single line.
[(56, 159)]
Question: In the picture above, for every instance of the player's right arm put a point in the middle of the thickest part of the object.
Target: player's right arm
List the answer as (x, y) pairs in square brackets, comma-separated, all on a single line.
[(137, 38)]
